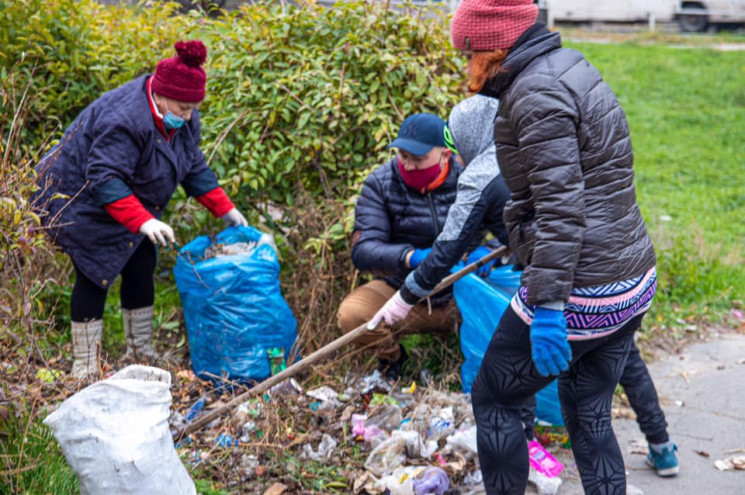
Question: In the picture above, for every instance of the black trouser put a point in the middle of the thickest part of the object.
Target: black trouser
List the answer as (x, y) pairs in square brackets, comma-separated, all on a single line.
[(508, 379), (642, 395), (137, 291)]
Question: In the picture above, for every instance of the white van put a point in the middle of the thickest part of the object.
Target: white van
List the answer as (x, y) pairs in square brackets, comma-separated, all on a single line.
[(609, 10), (692, 15), (697, 15)]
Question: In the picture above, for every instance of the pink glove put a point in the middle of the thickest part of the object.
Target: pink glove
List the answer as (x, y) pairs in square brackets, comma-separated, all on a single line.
[(396, 309)]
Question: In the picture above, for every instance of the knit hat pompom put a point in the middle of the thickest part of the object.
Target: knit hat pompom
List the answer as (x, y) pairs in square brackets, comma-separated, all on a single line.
[(193, 53), (486, 25), (182, 77)]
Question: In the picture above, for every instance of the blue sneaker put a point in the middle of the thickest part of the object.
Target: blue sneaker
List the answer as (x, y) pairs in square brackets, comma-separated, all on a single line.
[(665, 462)]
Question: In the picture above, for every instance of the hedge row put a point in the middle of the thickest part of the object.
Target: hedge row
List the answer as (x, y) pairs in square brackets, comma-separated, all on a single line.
[(296, 95)]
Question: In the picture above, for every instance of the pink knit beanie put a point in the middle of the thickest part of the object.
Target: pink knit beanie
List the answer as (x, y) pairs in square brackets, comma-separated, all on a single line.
[(486, 25), (182, 77)]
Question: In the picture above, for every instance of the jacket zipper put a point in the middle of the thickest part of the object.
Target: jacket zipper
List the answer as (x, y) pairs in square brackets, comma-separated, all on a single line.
[(433, 211)]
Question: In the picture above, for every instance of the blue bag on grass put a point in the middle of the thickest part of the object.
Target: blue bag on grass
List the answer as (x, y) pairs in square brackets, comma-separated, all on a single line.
[(234, 310), (481, 304)]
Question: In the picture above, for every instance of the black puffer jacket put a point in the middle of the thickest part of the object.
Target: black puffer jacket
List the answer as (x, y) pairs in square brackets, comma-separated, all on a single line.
[(391, 218), (565, 152)]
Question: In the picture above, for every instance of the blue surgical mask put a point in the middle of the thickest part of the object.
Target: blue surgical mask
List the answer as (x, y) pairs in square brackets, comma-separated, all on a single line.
[(172, 121)]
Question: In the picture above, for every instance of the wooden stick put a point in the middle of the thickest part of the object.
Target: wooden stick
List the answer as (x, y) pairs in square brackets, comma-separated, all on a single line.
[(324, 351)]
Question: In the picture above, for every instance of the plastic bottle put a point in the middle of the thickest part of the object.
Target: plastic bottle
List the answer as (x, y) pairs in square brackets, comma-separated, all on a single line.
[(195, 410), (276, 356), (542, 460), (434, 481)]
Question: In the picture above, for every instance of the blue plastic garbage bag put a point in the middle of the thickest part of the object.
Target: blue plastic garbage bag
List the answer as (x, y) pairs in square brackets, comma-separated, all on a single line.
[(481, 304), (233, 307)]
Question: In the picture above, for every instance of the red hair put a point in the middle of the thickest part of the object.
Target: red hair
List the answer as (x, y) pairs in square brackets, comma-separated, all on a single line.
[(483, 66)]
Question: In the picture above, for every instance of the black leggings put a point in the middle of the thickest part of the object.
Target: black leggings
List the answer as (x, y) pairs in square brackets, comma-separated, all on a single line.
[(508, 379), (137, 291), (642, 395)]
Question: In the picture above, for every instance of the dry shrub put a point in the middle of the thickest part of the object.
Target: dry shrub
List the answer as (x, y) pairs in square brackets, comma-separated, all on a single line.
[(28, 266), (318, 271)]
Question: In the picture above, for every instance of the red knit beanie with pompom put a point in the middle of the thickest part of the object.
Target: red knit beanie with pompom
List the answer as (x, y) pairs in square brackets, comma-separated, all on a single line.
[(486, 25), (182, 77)]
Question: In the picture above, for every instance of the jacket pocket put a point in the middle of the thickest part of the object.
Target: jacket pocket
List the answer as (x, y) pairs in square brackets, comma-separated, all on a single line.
[(522, 239)]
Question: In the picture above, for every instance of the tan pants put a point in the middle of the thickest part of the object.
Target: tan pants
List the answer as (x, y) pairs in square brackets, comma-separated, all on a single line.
[(361, 305)]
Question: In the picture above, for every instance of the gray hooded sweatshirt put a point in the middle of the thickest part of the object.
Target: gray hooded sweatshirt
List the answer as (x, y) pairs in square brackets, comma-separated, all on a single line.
[(480, 200)]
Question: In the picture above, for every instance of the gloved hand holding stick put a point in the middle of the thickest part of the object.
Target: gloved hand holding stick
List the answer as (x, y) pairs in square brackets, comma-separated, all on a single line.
[(306, 362)]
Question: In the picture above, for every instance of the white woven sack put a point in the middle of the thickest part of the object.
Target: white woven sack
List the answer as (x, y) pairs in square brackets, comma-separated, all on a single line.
[(115, 435)]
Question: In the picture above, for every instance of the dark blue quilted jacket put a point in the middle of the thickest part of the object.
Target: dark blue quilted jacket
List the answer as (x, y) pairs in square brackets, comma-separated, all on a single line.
[(392, 218), (110, 151)]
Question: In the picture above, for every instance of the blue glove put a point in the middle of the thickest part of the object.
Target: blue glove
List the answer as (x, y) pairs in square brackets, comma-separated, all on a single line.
[(476, 255), (418, 256), (548, 338)]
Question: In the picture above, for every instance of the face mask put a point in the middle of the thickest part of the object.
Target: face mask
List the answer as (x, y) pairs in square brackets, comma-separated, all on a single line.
[(419, 178), (172, 121)]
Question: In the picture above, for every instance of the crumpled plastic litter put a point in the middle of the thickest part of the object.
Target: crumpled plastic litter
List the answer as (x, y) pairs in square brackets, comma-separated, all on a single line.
[(229, 249), (393, 452), (368, 433), (441, 424), (730, 463), (249, 463), (387, 418), (323, 452), (328, 396), (246, 429), (638, 446), (217, 250), (194, 410), (287, 387), (474, 478), (433, 481), (399, 482), (225, 440), (251, 407), (543, 484), (373, 382), (463, 441), (387, 456), (633, 490)]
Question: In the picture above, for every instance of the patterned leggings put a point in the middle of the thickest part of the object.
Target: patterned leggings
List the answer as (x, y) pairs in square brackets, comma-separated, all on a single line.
[(506, 382)]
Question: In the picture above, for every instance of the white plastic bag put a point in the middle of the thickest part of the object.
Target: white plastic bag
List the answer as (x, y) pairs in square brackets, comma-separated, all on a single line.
[(115, 435)]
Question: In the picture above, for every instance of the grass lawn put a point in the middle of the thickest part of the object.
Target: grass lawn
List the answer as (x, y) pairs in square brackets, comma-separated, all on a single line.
[(686, 110)]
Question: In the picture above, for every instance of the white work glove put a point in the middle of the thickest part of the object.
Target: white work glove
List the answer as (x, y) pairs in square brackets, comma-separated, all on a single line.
[(234, 218), (396, 309), (158, 232)]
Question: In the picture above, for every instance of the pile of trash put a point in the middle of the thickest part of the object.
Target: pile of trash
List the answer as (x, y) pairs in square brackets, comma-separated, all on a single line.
[(219, 249), (414, 440)]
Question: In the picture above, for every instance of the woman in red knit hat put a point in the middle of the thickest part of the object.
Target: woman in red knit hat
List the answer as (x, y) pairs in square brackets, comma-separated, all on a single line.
[(589, 276), (117, 167), (564, 148)]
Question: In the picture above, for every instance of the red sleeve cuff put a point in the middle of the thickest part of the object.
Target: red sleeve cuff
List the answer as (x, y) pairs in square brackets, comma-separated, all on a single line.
[(217, 202), (129, 212)]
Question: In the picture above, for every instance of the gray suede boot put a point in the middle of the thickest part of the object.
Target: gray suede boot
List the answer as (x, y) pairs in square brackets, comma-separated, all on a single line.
[(86, 342), (138, 330)]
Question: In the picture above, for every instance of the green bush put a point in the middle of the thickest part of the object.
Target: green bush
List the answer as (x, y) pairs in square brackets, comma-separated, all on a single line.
[(80, 49), (314, 95), (308, 95)]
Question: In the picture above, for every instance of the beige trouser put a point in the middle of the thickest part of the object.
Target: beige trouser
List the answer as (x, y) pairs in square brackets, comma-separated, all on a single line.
[(361, 305)]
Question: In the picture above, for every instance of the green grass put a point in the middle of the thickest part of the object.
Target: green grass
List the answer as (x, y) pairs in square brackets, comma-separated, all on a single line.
[(32, 462), (686, 111)]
